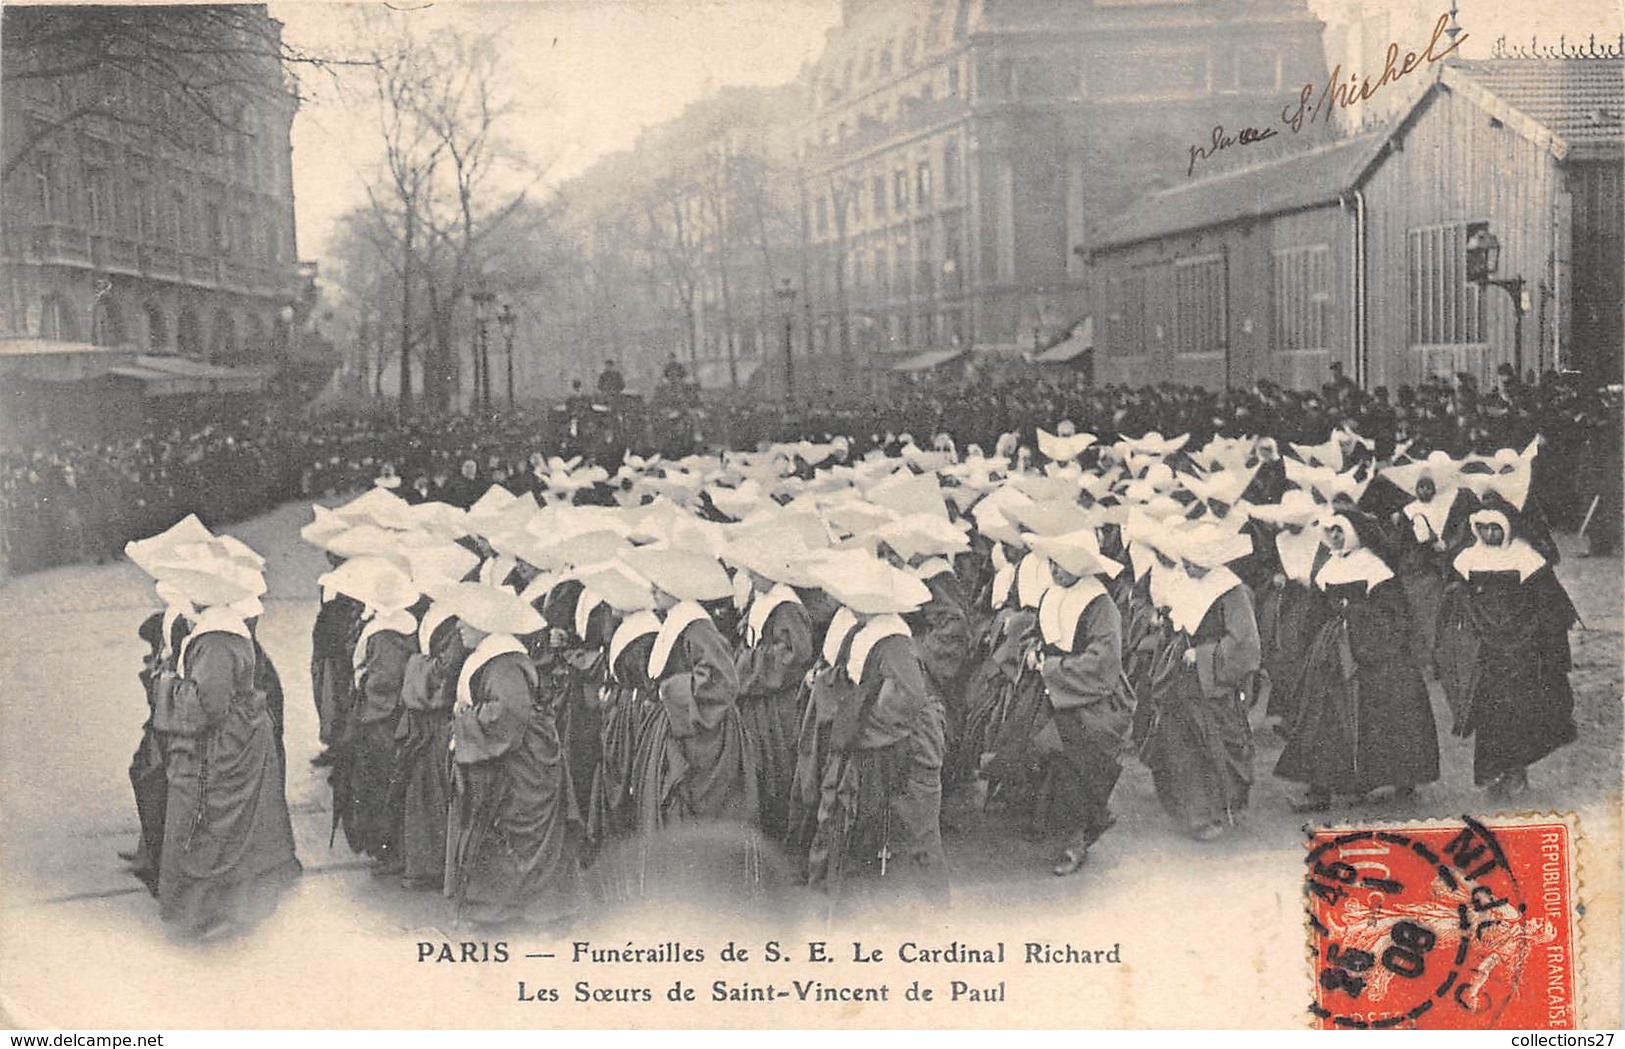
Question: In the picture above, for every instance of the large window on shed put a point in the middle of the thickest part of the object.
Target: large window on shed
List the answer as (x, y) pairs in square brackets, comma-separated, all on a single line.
[(1125, 319), (1199, 305), (1445, 308), (1303, 297)]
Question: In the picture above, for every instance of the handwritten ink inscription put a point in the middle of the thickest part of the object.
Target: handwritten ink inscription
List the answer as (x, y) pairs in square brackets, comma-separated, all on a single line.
[(1336, 93), (1247, 137)]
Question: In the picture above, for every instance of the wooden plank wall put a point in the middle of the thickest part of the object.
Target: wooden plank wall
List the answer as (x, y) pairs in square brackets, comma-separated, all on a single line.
[(1453, 165), (1252, 353), (1334, 228), (1593, 326)]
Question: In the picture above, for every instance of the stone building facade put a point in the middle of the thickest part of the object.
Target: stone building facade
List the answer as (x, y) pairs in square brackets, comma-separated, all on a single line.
[(120, 235), (936, 176), (961, 154)]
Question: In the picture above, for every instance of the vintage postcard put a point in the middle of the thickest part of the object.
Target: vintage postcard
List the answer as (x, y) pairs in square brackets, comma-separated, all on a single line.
[(794, 514)]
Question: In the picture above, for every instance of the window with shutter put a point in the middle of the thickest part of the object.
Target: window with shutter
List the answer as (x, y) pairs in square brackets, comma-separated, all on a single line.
[(1302, 298), (1199, 306)]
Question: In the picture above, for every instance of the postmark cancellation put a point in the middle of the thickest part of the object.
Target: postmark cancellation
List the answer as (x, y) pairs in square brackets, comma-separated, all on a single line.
[(1444, 924)]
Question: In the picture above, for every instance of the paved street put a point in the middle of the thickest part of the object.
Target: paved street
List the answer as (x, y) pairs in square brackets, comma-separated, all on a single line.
[(82, 945)]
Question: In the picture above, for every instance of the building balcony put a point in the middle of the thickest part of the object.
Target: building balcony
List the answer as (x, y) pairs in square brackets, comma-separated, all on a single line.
[(116, 254), (913, 117), (158, 262), (200, 270), (59, 244), (55, 244)]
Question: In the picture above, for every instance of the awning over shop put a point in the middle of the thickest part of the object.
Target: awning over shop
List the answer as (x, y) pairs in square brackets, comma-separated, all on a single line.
[(53, 360), (31, 347), (1070, 348), (166, 376), (920, 362)]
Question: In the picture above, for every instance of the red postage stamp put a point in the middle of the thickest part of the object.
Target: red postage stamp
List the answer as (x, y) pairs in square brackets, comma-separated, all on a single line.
[(1443, 925)]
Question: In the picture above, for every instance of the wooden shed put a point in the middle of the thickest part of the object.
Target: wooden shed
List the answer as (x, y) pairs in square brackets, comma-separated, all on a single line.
[(1355, 252)]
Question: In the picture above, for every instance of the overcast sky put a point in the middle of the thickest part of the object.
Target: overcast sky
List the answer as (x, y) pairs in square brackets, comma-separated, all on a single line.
[(592, 73)]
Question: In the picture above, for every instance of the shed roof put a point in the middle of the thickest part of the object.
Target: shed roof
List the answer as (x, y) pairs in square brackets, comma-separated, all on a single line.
[(1580, 100), (1290, 183), (1574, 107)]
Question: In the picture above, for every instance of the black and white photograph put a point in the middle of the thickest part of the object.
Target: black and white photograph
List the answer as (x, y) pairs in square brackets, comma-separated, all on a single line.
[(801, 514)]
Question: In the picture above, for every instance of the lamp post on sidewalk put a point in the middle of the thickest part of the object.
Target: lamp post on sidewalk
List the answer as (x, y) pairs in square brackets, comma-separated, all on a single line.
[(786, 293), (1483, 259), (482, 341), (507, 318)]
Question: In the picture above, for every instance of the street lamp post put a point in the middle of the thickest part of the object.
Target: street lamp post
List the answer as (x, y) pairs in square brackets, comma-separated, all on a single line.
[(286, 315), (506, 317), (1483, 259), (787, 299), (482, 339), (870, 352)]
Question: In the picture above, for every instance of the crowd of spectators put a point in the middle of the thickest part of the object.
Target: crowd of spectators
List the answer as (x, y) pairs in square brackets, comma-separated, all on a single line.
[(67, 502)]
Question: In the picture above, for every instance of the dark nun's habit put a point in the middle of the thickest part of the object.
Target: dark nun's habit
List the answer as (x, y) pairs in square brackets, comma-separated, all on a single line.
[(825, 685), (881, 796), (772, 666), (513, 856), (692, 762), (332, 642), (1504, 655), (571, 677), (1200, 747), (1364, 720), (1286, 558), (1004, 681), (228, 842), (363, 766), (628, 704), (423, 750), (147, 776), (1082, 669), (942, 639)]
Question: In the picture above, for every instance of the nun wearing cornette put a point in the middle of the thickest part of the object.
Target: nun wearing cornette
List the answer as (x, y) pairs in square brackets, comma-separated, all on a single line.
[(511, 836), (228, 842), (1364, 719), (1199, 746), (693, 764), (772, 665), (880, 808), (1081, 663)]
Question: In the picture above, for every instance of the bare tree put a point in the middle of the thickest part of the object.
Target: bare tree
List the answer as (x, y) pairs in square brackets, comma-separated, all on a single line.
[(535, 268), (366, 266), (485, 182), (699, 217), (668, 239), (760, 187), (449, 178), (196, 62), (716, 193), (842, 194), (412, 155)]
